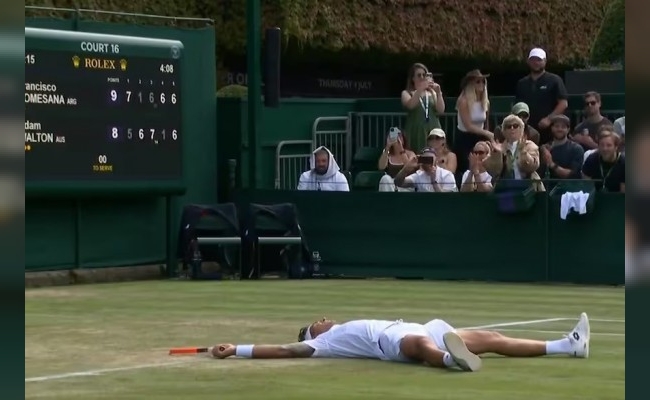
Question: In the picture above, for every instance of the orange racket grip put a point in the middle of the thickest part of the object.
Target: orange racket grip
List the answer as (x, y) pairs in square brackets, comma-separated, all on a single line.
[(187, 350)]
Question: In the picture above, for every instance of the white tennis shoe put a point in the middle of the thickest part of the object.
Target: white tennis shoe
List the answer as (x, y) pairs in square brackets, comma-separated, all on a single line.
[(465, 359), (579, 337)]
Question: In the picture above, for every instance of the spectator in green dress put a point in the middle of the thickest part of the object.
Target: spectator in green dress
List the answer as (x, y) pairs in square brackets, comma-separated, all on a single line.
[(424, 103)]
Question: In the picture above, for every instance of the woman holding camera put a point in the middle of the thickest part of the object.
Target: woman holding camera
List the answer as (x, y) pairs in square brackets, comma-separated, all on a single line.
[(392, 160), (423, 101)]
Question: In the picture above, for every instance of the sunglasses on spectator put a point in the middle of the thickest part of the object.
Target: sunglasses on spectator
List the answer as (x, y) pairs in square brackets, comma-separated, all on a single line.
[(590, 103), (420, 75), (512, 126)]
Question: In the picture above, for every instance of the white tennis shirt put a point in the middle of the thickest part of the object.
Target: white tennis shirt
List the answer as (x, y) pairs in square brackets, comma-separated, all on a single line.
[(354, 339)]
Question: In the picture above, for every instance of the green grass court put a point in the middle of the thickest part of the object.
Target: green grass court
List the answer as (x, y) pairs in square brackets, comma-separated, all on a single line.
[(110, 341)]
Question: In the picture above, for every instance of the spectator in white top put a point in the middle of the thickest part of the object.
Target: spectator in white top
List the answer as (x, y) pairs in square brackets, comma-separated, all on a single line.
[(472, 105), (445, 158), (619, 127), (476, 178), (422, 174), (436, 343), (324, 173)]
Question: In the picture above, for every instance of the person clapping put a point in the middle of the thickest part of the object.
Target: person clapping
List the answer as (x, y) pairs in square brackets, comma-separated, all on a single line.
[(476, 178)]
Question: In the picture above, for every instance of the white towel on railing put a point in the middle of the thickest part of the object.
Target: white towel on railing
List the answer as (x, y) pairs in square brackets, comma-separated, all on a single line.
[(573, 201)]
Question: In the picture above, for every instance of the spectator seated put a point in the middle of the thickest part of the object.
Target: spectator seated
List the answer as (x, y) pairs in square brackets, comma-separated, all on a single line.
[(324, 173)]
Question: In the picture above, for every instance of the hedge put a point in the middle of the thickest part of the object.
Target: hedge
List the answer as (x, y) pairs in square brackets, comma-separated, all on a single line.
[(610, 43), (495, 29)]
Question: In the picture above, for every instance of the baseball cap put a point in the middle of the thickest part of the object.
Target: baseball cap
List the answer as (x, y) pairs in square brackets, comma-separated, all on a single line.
[(520, 107), (437, 132), (537, 52)]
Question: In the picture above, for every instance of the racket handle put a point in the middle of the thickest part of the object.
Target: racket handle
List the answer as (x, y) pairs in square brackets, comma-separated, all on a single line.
[(188, 350)]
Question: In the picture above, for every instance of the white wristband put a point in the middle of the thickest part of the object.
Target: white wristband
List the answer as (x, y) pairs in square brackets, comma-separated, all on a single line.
[(244, 350)]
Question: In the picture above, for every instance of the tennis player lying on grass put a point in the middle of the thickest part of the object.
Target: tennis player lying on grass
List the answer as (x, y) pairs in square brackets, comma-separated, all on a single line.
[(435, 343)]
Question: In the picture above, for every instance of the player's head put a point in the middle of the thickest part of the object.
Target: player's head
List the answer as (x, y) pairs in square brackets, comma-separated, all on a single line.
[(312, 331)]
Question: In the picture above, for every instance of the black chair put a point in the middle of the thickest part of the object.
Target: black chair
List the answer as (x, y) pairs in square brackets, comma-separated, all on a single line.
[(210, 233), (274, 242)]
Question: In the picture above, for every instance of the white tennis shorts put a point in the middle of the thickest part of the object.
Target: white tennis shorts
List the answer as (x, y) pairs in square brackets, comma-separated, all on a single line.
[(390, 339)]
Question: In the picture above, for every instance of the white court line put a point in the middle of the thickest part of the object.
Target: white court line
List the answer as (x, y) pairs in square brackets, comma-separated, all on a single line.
[(519, 323), (97, 372), (618, 321), (105, 371), (558, 332)]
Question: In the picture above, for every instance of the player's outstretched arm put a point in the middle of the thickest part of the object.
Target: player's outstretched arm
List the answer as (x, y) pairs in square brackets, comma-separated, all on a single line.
[(293, 350)]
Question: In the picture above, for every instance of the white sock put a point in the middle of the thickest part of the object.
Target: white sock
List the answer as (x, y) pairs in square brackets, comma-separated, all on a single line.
[(448, 360), (562, 346)]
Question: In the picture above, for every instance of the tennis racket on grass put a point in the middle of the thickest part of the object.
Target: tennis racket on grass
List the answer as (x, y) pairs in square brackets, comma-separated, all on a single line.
[(178, 351)]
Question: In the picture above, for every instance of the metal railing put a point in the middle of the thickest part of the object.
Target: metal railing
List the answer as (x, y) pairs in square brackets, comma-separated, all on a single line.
[(335, 134), (289, 167), (369, 129), (344, 135)]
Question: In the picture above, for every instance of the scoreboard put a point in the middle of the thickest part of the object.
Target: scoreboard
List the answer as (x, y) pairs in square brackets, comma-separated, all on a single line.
[(103, 113)]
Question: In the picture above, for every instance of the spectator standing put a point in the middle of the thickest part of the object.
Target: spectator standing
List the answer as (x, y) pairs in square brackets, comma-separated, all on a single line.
[(562, 158), (544, 92), (607, 164), (423, 101), (522, 111), (472, 110), (586, 132)]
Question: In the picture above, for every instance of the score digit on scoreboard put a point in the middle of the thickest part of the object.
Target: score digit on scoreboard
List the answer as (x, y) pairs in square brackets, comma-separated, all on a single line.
[(102, 113)]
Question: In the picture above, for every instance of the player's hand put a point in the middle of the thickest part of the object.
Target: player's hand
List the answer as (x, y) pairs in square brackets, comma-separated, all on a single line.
[(223, 350)]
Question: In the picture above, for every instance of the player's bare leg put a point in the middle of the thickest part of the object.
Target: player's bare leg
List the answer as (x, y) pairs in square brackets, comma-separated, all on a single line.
[(424, 349), (576, 343), (481, 342)]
